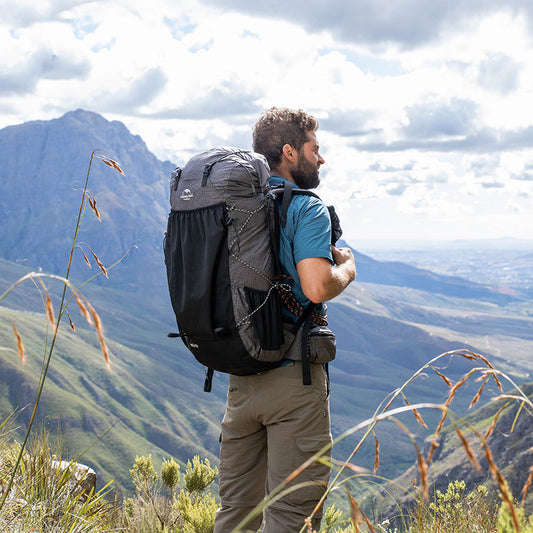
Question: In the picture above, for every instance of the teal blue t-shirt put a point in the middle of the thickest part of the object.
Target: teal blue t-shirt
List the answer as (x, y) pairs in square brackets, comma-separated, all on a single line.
[(306, 234)]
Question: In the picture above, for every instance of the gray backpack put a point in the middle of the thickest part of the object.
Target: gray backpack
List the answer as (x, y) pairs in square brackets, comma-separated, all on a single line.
[(222, 268)]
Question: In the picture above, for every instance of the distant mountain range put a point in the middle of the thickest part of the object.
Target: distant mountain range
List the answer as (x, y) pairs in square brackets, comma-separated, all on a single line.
[(388, 324)]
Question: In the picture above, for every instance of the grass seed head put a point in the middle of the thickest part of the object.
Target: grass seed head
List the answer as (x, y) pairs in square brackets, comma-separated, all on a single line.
[(527, 485), (423, 472), (92, 204), (100, 332), (99, 263), (376, 460), (443, 377), (50, 310), (83, 310), (476, 398), (20, 345), (71, 324), (468, 450)]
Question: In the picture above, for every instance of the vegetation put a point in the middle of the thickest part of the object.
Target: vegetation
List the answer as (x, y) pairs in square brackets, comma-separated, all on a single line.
[(158, 507), (38, 494)]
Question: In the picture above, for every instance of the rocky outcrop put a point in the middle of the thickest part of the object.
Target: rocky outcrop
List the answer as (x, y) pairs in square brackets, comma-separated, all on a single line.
[(82, 478)]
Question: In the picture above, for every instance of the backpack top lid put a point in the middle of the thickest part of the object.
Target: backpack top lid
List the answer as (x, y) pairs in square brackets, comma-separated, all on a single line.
[(216, 175)]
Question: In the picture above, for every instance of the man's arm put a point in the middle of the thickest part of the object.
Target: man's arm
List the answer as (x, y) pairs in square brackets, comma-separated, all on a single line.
[(321, 280)]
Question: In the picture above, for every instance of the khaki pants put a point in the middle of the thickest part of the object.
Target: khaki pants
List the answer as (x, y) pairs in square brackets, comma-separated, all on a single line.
[(273, 424)]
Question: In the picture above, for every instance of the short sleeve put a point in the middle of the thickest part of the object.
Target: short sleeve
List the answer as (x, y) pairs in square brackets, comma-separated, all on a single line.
[(312, 235)]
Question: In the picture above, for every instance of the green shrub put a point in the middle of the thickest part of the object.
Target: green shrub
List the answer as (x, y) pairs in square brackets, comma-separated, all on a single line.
[(157, 507)]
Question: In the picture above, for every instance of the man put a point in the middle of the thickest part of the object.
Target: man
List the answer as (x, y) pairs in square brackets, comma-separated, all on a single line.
[(273, 422)]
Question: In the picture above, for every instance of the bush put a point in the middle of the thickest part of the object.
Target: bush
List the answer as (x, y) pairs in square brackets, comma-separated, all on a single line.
[(158, 507)]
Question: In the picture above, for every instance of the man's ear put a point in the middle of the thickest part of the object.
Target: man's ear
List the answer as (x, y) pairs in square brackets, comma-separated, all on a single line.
[(290, 153)]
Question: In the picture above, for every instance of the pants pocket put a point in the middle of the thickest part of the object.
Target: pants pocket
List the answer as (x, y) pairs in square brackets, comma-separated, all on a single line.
[(313, 481)]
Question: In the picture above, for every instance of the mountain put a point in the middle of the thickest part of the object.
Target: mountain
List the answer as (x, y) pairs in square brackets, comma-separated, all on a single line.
[(43, 166), (388, 324), (403, 275)]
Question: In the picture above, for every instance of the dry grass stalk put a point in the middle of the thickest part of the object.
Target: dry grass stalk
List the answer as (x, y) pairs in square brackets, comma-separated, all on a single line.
[(356, 515), (350, 466), (476, 398), (451, 396), (471, 356), (443, 377), (111, 163), (458, 385), (86, 259), (529, 480), (468, 449), (92, 204), (502, 485), (83, 309), (418, 417), (434, 445), (369, 525), (490, 429), (474, 356), (99, 263), (309, 526), (71, 324), (100, 332), (20, 346), (494, 374), (50, 310), (376, 460), (423, 472)]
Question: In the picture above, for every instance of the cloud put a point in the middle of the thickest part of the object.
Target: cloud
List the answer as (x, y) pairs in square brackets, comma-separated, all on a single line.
[(347, 123), (524, 176), (484, 166), (430, 120), (43, 64), (499, 73), (397, 189), (225, 100), (484, 140), (492, 185), (379, 166), (409, 23), (24, 13), (138, 93)]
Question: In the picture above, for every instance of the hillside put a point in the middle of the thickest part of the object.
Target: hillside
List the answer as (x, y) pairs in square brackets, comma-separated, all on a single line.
[(388, 324), (511, 445)]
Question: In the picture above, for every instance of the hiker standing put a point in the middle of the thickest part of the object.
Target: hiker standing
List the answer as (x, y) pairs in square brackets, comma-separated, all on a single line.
[(273, 421)]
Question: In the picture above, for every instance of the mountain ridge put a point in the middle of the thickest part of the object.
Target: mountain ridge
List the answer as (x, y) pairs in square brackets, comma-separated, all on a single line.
[(377, 349)]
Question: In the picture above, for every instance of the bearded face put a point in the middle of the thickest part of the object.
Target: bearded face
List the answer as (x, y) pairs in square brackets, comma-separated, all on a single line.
[(305, 172)]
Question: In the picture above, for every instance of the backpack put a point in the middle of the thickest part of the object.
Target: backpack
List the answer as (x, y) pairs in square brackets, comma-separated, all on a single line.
[(221, 257)]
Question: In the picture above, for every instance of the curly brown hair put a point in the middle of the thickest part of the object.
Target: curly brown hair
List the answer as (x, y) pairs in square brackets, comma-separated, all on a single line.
[(280, 126)]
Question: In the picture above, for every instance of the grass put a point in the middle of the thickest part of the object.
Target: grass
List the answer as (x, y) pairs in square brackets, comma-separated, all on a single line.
[(157, 505)]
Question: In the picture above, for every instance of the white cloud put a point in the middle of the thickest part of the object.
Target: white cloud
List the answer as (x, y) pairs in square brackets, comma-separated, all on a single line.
[(426, 121)]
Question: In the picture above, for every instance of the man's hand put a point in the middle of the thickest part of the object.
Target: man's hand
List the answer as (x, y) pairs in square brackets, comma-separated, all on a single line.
[(342, 256), (322, 281)]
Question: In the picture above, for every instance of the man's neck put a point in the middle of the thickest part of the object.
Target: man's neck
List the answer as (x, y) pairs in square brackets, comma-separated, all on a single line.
[(282, 173)]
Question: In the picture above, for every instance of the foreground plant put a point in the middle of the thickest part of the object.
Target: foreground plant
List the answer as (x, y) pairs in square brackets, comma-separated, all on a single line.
[(53, 320), (346, 472), (45, 496), (159, 507)]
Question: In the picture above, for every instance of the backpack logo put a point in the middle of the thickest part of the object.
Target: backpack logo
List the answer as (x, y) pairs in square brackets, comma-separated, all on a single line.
[(186, 195)]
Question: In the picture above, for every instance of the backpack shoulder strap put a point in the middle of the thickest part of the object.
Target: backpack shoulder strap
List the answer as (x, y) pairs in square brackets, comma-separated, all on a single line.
[(286, 191)]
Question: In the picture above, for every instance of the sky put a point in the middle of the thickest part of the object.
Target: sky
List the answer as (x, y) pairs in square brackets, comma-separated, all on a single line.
[(425, 107)]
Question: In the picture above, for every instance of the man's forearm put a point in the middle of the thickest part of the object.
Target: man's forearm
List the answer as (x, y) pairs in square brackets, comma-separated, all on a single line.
[(321, 280), (341, 276)]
